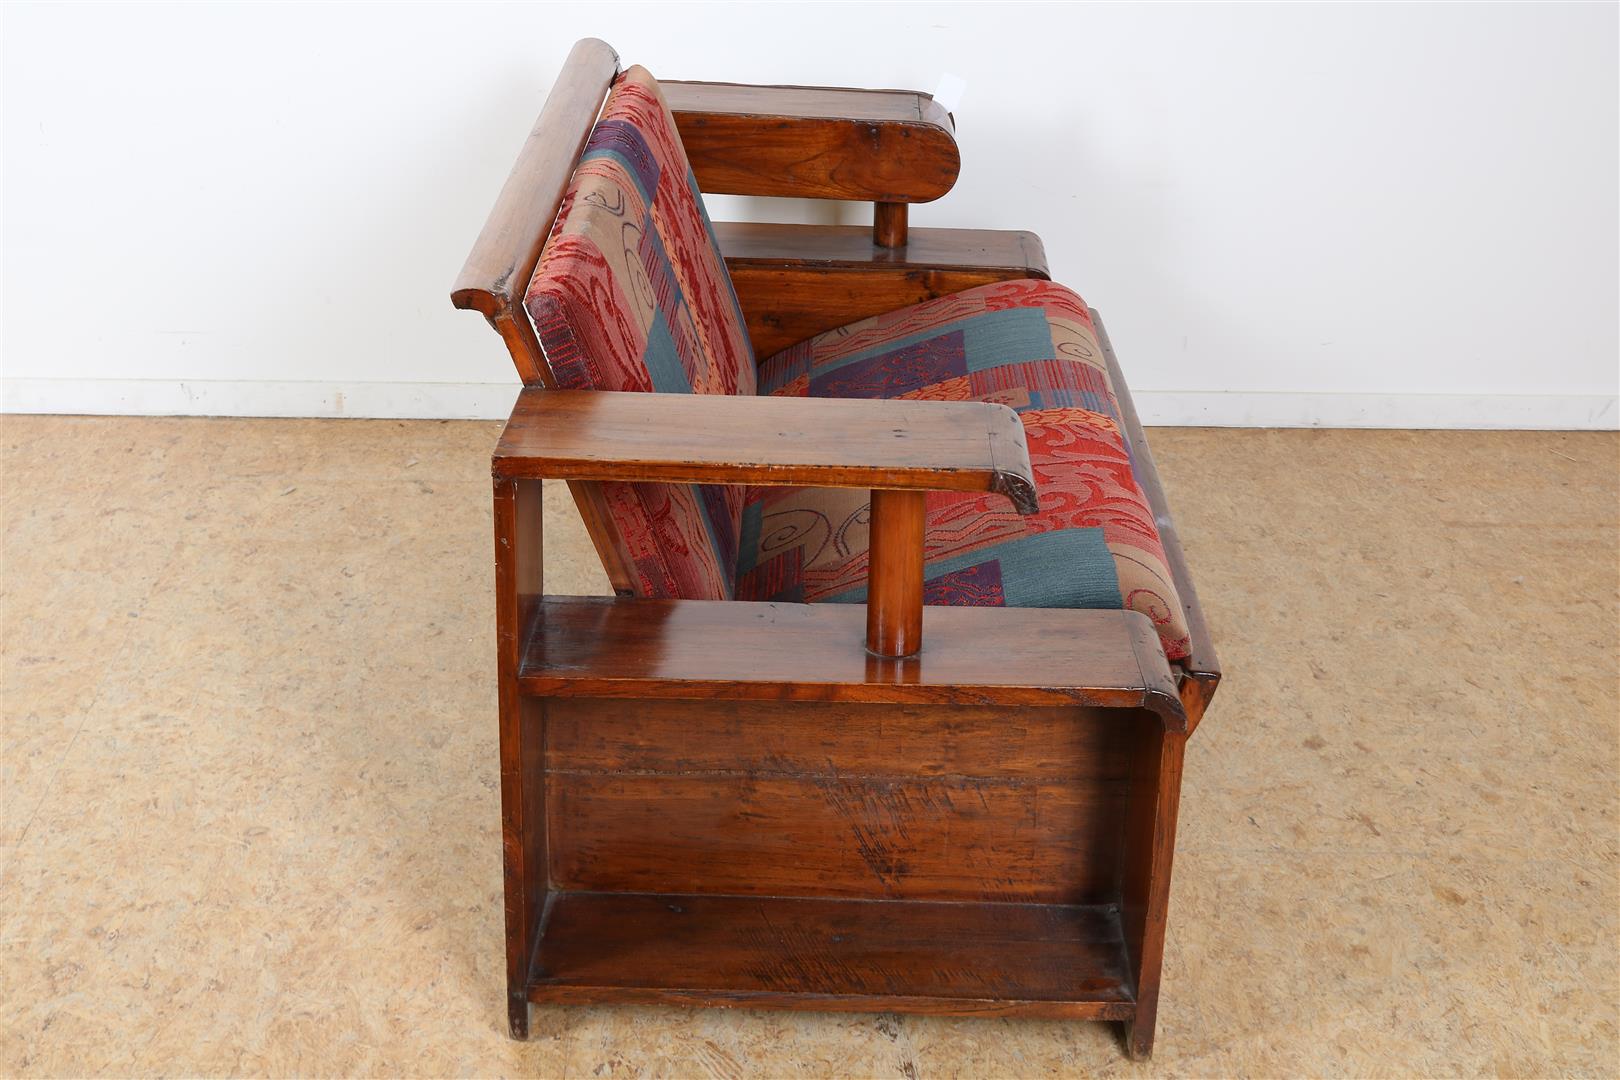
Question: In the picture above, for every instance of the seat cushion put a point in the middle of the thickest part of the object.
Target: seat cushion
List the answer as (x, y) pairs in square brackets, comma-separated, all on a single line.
[(1027, 344), (631, 293)]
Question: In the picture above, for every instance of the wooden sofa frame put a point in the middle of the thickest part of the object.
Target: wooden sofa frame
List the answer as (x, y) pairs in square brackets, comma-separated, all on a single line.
[(726, 803)]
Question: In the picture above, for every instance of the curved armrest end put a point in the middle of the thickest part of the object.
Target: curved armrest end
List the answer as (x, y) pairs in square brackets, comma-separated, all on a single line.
[(1019, 488)]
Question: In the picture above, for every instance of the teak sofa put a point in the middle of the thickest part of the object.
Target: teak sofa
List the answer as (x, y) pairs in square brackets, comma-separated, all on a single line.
[(731, 783)]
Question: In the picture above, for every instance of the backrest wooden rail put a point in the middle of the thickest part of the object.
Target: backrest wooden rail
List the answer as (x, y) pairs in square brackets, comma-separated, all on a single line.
[(497, 272), (504, 257)]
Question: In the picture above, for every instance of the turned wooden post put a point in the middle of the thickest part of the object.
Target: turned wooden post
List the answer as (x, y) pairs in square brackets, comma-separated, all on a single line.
[(889, 224), (894, 587)]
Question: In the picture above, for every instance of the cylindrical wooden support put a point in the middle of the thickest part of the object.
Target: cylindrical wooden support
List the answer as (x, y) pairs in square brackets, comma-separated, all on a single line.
[(894, 586), (889, 224)]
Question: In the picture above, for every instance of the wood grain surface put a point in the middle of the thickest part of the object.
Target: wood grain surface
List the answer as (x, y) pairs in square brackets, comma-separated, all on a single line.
[(603, 647), (817, 442), (894, 146), (959, 959)]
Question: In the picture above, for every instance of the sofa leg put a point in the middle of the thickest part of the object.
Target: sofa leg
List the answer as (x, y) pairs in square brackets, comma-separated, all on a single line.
[(1150, 834), (517, 1015), (1138, 1035)]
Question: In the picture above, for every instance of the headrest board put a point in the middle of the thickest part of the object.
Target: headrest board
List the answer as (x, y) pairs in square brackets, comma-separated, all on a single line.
[(504, 257)]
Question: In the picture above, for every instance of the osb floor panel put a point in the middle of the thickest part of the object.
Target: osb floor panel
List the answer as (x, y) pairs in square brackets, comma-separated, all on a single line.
[(250, 819)]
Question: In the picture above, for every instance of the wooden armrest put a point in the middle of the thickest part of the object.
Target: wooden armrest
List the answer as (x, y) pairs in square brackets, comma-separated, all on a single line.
[(895, 146), (797, 281), (791, 442)]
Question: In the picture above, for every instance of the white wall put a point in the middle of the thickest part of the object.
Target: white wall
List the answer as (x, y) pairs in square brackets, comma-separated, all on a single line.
[(1291, 214)]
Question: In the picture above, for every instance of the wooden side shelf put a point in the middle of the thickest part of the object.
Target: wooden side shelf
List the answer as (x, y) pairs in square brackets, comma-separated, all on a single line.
[(1047, 960), (796, 281), (730, 803), (989, 254), (583, 646)]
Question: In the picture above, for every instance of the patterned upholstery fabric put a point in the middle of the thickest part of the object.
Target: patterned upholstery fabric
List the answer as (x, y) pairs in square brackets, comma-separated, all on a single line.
[(1026, 344), (631, 293)]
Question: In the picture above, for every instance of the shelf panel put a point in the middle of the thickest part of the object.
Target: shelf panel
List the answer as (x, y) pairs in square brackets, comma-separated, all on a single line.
[(606, 647), (988, 252), (796, 281), (1048, 960)]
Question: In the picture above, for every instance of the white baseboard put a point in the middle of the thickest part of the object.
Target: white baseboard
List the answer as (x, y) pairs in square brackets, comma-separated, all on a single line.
[(492, 401), (1522, 412), (348, 400)]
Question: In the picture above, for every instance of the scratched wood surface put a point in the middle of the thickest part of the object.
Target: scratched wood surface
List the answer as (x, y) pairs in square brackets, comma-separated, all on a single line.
[(814, 801), (937, 839), (1069, 745)]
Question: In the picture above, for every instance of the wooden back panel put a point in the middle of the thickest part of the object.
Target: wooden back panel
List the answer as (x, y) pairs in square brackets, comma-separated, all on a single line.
[(831, 799), (497, 272)]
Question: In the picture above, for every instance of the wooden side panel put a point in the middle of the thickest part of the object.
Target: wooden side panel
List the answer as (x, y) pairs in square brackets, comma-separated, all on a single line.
[(1075, 746), (942, 839), (819, 800)]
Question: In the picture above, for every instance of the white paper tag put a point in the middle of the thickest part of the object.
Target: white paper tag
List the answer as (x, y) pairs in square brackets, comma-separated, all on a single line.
[(949, 92)]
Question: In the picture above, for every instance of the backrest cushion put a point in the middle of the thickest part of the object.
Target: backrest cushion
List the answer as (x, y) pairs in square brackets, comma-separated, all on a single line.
[(631, 293)]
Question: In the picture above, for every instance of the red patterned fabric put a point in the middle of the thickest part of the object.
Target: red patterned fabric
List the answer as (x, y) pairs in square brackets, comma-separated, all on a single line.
[(1026, 344), (631, 293)]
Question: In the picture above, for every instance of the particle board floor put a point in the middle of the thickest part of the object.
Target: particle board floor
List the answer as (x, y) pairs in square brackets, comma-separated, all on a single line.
[(250, 816)]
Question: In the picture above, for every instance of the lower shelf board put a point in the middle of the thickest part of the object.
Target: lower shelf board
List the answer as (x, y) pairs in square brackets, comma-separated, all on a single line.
[(1048, 960)]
